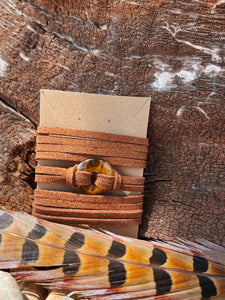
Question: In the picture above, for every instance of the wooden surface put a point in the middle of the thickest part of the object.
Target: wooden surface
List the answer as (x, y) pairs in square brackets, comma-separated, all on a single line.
[(172, 51)]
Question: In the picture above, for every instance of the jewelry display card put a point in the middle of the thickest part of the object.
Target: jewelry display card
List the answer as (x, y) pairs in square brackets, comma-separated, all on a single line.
[(105, 113)]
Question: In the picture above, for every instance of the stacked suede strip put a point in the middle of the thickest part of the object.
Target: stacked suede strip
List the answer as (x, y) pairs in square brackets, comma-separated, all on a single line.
[(77, 141), (59, 131), (70, 208), (44, 155), (74, 220), (55, 143)]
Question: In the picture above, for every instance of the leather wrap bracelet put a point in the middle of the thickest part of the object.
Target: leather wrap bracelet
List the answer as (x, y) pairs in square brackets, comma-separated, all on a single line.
[(70, 208), (60, 144), (123, 151), (75, 178)]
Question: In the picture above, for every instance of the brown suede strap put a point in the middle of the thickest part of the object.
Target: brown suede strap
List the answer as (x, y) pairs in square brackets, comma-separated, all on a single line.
[(70, 208), (92, 135), (75, 178), (73, 197), (82, 142), (45, 155), (89, 221), (55, 143), (91, 151), (88, 213), (86, 205)]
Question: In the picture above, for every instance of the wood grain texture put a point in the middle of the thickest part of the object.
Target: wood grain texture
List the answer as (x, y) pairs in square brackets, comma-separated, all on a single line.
[(170, 50), (17, 136)]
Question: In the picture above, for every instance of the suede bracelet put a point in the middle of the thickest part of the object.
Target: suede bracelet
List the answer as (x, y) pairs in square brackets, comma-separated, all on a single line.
[(63, 144), (82, 142), (55, 206), (92, 135), (46, 155), (90, 221), (75, 178), (55, 143)]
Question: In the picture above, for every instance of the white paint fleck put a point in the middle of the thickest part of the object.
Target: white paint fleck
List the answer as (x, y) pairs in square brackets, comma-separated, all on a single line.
[(195, 65), (180, 111), (63, 66), (187, 76), (6, 6), (173, 30), (11, 4), (131, 2), (163, 81), (24, 57), (71, 40), (88, 19), (161, 65), (30, 28), (213, 52), (217, 4), (3, 67), (95, 52), (209, 145), (33, 19), (76, 18), (202, 111), (103, 27), (163, 77), (176, 11), (134, 57), (191, 69), (113, 29), (109, 74), (212, 70), (115, 88)]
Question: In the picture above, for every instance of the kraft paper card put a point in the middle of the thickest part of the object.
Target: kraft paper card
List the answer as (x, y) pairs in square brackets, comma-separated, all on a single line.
[(104, 113)]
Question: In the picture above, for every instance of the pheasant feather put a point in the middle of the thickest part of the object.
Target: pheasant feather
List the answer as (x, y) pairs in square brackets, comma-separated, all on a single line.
[(103, 265)]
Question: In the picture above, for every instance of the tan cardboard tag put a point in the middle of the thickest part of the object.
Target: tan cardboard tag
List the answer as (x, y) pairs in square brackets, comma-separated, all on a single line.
[(112, 114)]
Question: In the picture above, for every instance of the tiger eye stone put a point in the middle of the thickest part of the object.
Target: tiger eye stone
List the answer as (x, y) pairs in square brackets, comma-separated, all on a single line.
[(95, 166)]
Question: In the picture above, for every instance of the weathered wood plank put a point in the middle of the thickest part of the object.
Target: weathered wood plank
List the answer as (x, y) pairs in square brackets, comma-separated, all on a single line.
[(17, 136), (170, 50)]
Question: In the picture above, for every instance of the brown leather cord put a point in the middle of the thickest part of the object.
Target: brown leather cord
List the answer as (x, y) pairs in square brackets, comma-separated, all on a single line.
[(63, 171), (86, 205), (91, 221), (92, 135), (75, 178), (85, 213), (81, 142), (44, 155), (91, 151), (69, 208), (73, 197), (100, 184), (112, 182)]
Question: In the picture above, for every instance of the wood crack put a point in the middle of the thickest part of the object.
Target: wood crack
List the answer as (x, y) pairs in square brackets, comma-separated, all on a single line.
[(16, 111)]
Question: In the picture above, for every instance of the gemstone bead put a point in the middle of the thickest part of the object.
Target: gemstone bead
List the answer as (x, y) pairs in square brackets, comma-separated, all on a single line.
[(95, 166)]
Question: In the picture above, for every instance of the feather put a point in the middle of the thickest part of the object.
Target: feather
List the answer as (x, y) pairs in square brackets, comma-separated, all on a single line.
[(103, 265)]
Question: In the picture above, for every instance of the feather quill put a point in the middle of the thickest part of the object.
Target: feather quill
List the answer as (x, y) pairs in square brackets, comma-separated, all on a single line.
[(103, 265)]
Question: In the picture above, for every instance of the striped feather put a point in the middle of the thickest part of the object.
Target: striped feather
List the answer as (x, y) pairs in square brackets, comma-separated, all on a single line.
[(103, 265)]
